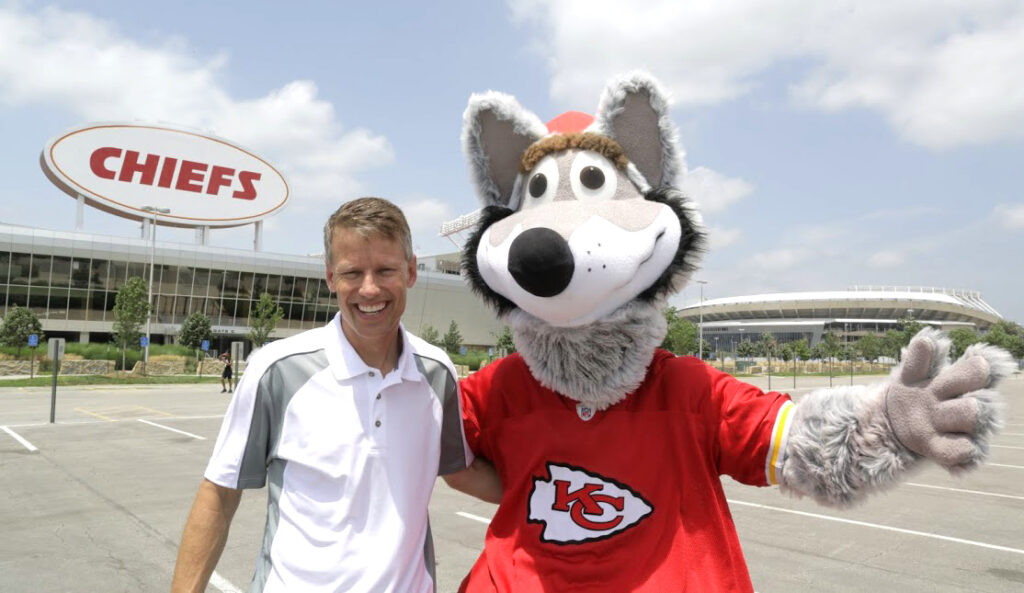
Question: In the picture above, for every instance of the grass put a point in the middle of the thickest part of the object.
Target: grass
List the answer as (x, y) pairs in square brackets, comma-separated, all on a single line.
[(70, 380)]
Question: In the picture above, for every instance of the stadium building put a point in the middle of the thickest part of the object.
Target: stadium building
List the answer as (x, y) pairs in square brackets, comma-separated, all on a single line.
[(163, 176), (70, 279), (849, 314)]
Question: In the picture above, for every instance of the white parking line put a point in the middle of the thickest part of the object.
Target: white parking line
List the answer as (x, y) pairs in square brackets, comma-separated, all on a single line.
[(1005, 465), (223, 584), (982, 493), (945, 538), (20, 439), (189, 434), (472, 517), (1006, 447)]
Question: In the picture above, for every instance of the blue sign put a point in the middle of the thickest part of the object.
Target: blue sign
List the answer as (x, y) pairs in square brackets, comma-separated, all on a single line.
[(490, 352), (144, 341), (205, 345), (33, 340), (462, 350)]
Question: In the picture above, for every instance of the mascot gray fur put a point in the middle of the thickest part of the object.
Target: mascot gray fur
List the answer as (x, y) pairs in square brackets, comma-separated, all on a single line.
[(581, 240)]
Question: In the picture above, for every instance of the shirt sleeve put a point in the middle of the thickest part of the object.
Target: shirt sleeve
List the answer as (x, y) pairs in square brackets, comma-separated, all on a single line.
[(240, 453), (751, 428), (456, 454)]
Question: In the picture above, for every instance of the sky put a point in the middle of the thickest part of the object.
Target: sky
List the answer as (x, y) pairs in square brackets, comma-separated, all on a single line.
[(828, 144)]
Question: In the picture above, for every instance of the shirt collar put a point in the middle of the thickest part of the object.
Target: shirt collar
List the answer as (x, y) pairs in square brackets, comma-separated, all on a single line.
[(346, 363)]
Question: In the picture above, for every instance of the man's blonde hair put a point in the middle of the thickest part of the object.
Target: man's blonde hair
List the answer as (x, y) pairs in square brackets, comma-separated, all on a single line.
[(369, 217)]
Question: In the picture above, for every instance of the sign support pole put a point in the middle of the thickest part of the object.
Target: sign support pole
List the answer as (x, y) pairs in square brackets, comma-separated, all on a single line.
[(56, 353), (80, 216)]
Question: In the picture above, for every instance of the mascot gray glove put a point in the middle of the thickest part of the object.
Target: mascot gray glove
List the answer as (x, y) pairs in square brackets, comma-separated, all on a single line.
[(945, 412), (847, 442)]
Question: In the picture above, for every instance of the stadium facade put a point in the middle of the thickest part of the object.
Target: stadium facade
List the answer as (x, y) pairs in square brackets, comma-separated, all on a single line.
[(849, 314), (70, 279)]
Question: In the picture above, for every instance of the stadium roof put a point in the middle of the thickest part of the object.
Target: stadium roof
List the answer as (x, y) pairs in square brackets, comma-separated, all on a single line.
[(856, 303)]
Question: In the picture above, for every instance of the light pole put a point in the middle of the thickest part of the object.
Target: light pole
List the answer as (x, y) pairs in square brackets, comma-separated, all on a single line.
[(156, 212), (700, 322)]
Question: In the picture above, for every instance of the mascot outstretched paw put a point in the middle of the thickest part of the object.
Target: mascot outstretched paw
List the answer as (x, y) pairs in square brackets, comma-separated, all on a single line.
[(946, 412)]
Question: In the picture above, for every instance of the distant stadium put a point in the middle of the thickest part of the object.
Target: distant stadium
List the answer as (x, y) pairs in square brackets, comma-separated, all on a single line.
[(849, 314)]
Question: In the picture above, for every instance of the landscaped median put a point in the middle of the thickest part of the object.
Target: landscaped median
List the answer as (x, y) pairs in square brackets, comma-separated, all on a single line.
[(88, 364)]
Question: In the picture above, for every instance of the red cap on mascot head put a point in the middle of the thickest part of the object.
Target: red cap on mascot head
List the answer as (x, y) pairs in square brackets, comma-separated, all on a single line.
[(570, 122)]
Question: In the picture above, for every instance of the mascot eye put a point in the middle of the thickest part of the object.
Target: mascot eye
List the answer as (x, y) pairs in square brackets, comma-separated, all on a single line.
[(592, 177), (538, 184), (542, 184)]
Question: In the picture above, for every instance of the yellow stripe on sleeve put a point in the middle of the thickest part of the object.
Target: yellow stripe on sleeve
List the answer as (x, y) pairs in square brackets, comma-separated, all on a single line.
[(776, 453)]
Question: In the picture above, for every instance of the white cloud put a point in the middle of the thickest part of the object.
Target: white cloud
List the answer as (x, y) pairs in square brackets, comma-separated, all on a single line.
[(425, 215), (943, 73), (779, 260), (713, 191), (719, 237), (886, 259), (1010, 216), (85, 65)]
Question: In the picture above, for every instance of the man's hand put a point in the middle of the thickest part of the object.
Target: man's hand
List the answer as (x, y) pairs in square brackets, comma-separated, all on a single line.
[(947, 412)]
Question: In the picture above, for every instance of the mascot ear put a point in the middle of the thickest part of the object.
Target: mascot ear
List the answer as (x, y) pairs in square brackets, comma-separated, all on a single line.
[(496, 131), (634, 112)]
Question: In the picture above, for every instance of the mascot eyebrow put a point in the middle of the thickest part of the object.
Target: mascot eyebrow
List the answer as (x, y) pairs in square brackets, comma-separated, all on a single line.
[(603, 145)]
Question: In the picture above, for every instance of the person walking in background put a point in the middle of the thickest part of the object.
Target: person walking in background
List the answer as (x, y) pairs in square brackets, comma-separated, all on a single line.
[(226, 375), (350, 424)]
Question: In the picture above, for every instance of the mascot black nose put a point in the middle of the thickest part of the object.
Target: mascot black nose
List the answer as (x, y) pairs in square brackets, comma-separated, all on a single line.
[(541, 262)]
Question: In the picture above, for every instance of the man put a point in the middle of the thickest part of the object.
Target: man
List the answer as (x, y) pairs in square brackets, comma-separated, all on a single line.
[(350, 424), (225, 376)]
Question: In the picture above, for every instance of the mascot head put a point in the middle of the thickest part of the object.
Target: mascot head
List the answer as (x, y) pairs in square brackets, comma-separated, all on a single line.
[(582, 235)]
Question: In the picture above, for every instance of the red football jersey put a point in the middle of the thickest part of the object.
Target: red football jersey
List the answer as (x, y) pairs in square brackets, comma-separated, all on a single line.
[(625, 499)]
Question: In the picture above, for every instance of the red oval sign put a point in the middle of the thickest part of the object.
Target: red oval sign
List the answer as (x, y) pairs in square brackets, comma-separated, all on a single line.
[(199, 180)]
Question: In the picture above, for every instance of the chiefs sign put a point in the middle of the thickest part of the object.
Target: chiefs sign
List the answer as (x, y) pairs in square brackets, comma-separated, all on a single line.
[(200, 180), (577, 506)]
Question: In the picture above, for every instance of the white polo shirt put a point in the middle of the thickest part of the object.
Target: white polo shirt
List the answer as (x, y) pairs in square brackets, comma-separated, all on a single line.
[(350, 458)]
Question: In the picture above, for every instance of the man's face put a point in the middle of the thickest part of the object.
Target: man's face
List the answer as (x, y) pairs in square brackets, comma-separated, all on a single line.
[(370, 276)]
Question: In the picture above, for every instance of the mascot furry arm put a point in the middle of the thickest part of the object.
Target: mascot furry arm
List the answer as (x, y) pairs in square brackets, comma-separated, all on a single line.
[(611, 450)]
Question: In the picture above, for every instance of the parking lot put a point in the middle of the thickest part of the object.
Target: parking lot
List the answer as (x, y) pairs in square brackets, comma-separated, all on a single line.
[(96, 502)]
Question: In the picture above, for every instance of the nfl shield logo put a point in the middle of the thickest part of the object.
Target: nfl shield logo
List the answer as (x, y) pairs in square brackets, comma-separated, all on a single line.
[(585, 412)]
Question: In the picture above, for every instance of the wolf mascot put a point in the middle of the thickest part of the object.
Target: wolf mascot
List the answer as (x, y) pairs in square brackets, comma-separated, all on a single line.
[(610, 450)]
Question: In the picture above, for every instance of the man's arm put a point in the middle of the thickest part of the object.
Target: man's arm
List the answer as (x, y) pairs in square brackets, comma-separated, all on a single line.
[(480, 479), (204, 536)]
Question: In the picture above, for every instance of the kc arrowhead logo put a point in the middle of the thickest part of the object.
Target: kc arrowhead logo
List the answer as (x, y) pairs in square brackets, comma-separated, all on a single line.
[(577, 506)]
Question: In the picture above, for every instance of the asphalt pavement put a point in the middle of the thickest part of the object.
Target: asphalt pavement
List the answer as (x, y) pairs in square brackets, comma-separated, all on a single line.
[(97, 500)]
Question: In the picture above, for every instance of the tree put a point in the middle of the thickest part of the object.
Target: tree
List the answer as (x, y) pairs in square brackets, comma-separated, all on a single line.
[(961, 338), (263, 318), (869, 346), (452, 339), (831, 349), (505, 343), (430, 335), (746, 348), (1008, 335), (892, 341), (800, 349), (194, 330), (131, 307), (767, 345), (18, 325), (681, 337)]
